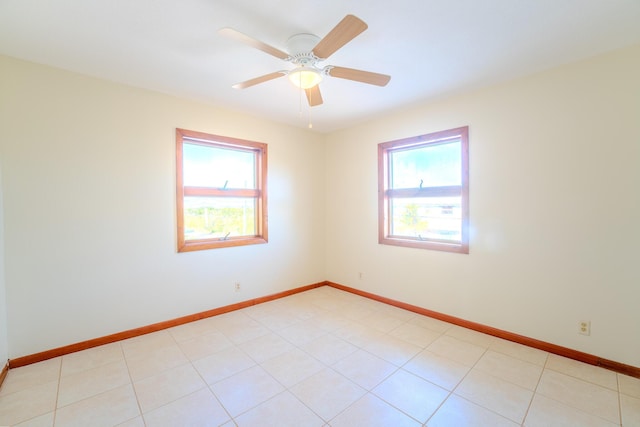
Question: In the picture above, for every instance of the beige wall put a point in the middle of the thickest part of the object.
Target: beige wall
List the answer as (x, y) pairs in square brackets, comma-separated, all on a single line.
[(88, 186), (88, 174), (554, 201)]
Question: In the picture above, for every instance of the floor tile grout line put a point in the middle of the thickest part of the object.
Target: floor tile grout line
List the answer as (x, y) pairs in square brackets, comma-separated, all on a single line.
[(286, 389), (535, 390), (189, 362), (410, 416), (206, 386), (215, 396), (586, 380), (453, 391), (55, 405), (573, 407), (619, 399), (347, 379), (306, 406), (438, 408), (508, 380), (133, 386), (57, 380), (367, 391), (488, 409), (467, 374), (325, 366), (96, 395)]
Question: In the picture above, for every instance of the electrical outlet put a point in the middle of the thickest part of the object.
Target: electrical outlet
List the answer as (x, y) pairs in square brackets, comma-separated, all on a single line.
[(237, 286), (584, 327)]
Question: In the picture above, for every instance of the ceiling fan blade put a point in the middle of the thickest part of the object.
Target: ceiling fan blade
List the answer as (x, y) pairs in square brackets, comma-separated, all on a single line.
[(360, 76), (343, 33), (243, 38), (257, 80), (313, 96)]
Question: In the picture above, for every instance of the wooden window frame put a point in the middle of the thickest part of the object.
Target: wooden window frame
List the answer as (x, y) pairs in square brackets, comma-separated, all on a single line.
[(260, 192), (385, 193)]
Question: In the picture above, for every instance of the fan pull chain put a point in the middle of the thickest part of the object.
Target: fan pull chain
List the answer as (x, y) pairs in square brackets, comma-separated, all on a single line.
[(301, 91), (300, 102), (310, 125)]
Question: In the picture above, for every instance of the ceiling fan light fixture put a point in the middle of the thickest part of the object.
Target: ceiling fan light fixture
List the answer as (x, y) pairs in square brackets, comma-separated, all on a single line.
[(305, 77)]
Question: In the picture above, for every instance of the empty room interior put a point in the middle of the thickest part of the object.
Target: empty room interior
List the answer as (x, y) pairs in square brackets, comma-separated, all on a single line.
[(440, 232)]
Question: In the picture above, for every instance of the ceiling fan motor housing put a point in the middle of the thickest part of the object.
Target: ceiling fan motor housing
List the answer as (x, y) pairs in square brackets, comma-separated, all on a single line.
[(300, 48)]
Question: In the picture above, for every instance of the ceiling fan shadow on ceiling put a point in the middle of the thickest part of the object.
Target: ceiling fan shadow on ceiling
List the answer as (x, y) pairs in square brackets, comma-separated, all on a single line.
[(305, 51)]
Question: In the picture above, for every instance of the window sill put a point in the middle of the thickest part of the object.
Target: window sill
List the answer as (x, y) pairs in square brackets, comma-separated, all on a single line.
[(425, 244), (198, 245)]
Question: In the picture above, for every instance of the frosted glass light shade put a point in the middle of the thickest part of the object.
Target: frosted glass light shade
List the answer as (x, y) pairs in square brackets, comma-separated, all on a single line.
[(305, 77)]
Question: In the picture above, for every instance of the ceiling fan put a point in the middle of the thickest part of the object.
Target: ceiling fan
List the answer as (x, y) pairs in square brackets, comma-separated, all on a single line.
[(305, 51)]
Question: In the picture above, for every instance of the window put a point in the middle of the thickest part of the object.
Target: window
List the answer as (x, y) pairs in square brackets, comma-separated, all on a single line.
[(423, 186), (221, 191)]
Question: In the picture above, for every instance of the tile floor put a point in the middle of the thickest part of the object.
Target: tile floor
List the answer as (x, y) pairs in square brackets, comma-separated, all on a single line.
[(318, 358)]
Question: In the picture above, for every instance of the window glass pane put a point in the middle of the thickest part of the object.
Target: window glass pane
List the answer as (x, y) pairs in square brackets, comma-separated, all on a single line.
[(217, 217), (434, 165), (206, 166), (427, 218)]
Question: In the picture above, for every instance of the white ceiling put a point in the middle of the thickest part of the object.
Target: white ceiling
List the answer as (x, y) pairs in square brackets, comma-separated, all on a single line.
[(431, 48)]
